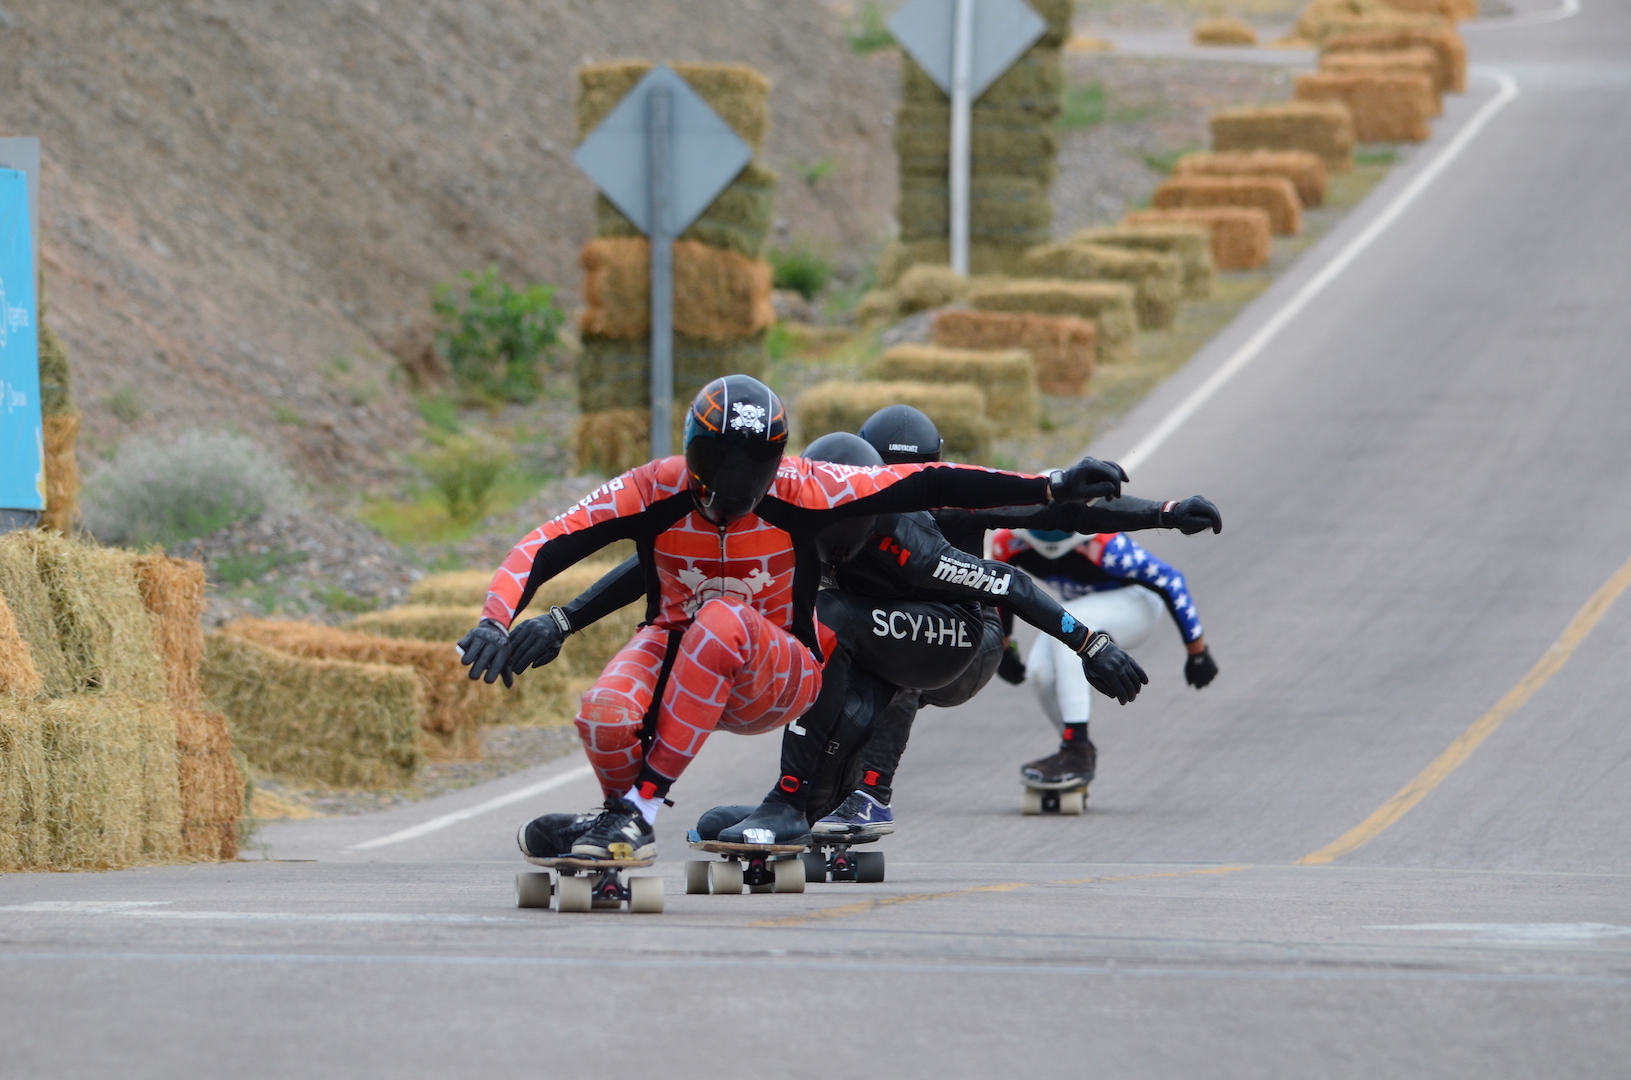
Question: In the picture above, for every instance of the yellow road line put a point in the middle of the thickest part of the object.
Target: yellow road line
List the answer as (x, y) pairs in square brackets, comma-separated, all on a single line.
[(863, 906), (1550, 663)]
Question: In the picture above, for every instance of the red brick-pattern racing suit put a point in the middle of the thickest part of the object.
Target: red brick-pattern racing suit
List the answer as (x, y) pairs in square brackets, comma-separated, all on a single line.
[(732, 608)]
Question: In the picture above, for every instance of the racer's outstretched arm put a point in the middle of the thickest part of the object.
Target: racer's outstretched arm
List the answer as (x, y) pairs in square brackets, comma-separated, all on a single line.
[(1123, 558), (846, 491), (536, 642), (1125, 513)]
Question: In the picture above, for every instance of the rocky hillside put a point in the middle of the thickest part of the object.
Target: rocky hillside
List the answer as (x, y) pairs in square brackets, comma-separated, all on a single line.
[(248, 202)]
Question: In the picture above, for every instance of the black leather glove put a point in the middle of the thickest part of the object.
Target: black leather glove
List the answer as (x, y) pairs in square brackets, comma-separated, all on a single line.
[(1200, 669), (1089, 478), (1110, 670), (537, 642), (1192, 515), (1011, 669), (486, 651)]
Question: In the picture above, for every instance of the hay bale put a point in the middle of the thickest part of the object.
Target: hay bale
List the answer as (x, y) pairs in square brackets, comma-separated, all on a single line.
[(1306, 171), (106, 633), (958, 411), (113, 797), (1004, 142), (983, 259), (1319, 127), (56, 377), (1224, 31), (172, 590), (1450, 10), (1061, 347), (929, 286), (1385, 108), (18, 675), (718, 295), (739, 219), (612, 441), (1008, 210), (1420, 62), (1006, 376), (454, 705), (1157, 278), (212, 786), (1450, 75), (1323, 19), (61, 472), (1240, 235), (615, 373), (24, 798), (736, 92), (1190, 244), (1109, 306), (1059, 15), (1273, 194), (329, 721), (23, 587)]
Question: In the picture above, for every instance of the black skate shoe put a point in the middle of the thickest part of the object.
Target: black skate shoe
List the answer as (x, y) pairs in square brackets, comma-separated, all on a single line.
[(551, 836), (1072, 766), (620, 825), (773, 822), (721, 817)]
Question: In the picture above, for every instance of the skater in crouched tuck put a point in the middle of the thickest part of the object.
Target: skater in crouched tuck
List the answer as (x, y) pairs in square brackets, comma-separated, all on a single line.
[(725, 538)]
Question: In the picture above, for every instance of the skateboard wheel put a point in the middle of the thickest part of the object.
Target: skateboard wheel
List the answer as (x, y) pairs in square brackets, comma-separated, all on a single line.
[(725, 876), (815, 867), (789, 875), (1072, 802), (869, 866), (1030, 802), (574, 893), (646, 895), (532, 890), (696, 877)]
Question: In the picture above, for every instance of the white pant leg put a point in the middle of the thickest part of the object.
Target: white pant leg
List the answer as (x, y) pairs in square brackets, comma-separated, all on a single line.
[(1041, 671), (1128, 615)]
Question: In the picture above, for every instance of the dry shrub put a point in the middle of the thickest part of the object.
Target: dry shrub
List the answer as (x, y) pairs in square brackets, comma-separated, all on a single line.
[(736, 92), (173, 592), (23, 586), (1007, 377), (61, 472), (1157, 278), (1417, 61), (1319, 127), (1060, 346), (958, 411), (983, 259), (329, 721), (738, 220), (106, 633), (454, 707), (1385, 108), (1224, 31), (24, 797), (1109, 306), (212, 786), (1190, 244), (1306, 171), (1450, 76), (1273, 194), (112, 794), (718, 295), (18, 675), (1240, 235)]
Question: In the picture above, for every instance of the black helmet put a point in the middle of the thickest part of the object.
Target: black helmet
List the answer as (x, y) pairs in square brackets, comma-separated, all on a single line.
[(842, 540), (734, 437), (902, 435)]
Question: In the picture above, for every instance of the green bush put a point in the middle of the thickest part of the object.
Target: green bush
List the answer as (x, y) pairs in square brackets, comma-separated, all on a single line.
[(463, 470), (868, 33), (496, 337), (800, 270), (1085, 106)]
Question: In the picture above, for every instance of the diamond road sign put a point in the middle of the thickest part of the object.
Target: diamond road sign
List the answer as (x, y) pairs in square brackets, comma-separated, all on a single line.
[(706, 154), (1003, 30)]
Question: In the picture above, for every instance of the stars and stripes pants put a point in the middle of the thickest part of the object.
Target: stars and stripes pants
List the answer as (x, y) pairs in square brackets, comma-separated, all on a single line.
[(1127, 614), (734, 670)]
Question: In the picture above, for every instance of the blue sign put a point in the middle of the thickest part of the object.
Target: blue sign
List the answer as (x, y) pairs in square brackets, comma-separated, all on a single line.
[(22, 435)]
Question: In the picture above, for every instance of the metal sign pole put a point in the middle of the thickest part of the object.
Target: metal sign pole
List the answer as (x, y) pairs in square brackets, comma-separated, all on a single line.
[(962, 57), (660, 163)]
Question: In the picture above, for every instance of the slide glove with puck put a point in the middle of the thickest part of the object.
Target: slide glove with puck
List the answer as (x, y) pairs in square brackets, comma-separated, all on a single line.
[(537, 642), (1200, 669), (1110, 670), (1011, 669), (1192, 515), (1089, 478), (486, 651)]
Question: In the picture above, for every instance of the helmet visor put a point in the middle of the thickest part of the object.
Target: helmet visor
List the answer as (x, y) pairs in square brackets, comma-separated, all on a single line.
[(729, 478)]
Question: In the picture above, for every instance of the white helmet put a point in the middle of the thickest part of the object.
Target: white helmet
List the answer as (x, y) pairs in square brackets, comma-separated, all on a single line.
[(1052, 543)]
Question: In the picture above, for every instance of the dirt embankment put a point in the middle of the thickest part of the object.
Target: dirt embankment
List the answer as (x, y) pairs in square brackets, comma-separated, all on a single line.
[(248, 202)]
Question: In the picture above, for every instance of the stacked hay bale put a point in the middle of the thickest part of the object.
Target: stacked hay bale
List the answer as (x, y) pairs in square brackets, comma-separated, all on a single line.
[(1387, 106), (61, 422), (1449, 50), (721, 285), (958, 410), (1156, 278), (1061, 347), (1307, 172), (1109, 306), (1420, 61), (1274, 195), (1189, 243), (1240, 235), (1224, 30), (1007, 377), (1014, 147), (1324, 128), (1323, 19)]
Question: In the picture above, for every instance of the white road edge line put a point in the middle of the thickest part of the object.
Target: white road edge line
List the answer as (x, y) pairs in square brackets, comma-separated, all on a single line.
[(438, 823), (1174, 420), (1567, 9)]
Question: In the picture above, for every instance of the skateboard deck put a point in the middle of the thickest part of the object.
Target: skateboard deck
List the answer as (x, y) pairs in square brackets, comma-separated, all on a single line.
[(722, 847), (586, 862)]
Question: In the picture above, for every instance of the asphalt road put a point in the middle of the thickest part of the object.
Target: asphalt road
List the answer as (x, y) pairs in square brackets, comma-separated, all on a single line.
[(1424, 476)]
